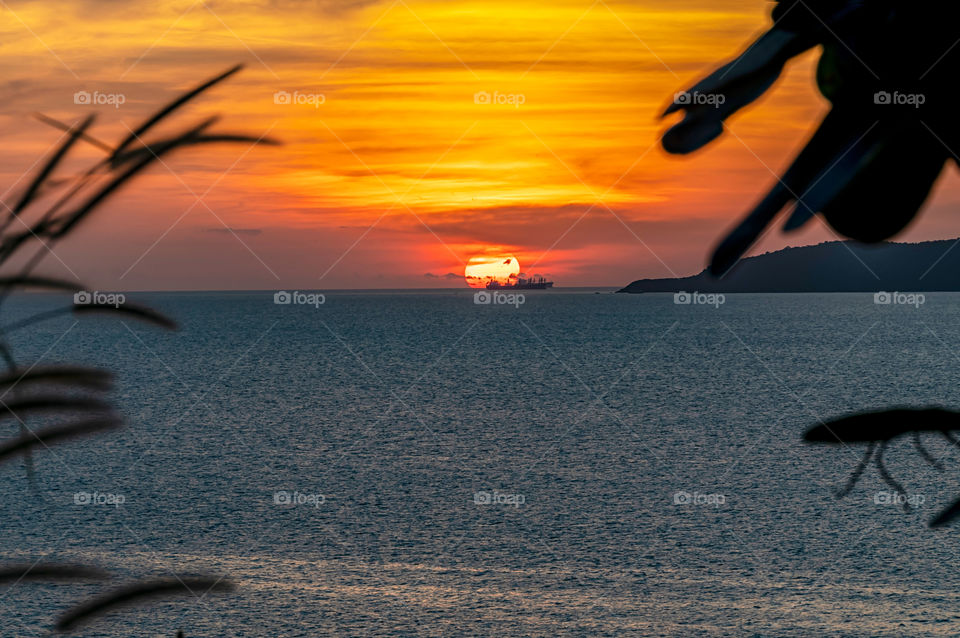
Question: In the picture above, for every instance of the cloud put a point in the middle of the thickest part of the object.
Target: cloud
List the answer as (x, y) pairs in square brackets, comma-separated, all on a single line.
[(334, 7)]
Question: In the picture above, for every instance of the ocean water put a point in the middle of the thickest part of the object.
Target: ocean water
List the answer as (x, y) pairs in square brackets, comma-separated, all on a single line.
[(581, 464)]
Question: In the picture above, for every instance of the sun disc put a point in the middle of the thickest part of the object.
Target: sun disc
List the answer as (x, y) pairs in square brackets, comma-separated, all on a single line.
[(482, 269)]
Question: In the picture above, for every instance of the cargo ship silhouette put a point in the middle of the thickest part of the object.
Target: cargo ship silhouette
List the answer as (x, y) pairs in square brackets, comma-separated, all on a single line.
[(534, 283)]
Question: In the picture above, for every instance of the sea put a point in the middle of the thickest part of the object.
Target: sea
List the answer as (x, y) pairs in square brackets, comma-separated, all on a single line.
[(446, 463)]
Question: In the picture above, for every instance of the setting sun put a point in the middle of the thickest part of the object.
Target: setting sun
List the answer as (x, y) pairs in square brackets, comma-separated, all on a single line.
[(483, 269)]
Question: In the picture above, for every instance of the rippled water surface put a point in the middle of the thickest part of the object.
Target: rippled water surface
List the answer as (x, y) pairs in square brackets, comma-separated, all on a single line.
[(463, 469)]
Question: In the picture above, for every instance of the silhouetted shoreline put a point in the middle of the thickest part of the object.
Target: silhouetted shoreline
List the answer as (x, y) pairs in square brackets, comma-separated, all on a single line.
[(837, 266)]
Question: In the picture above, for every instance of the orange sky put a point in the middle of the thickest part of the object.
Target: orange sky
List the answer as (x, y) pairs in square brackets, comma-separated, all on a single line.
[(394, 170)]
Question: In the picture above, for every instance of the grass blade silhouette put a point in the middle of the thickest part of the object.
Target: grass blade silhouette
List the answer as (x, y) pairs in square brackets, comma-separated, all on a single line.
[(136, 311), (69, 220), (48, 283), (138, 132), (83, 376), (44, 173), (137, 153), (50, 403), (52, 435), (946, 516), (50, 572), (139, 592), (77, 197), (83, 135)]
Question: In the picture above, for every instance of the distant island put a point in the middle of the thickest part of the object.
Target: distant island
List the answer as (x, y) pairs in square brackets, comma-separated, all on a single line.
[(836, 266)]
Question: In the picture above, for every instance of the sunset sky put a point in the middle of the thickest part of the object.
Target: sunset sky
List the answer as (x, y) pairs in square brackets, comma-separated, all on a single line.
[(394, 172)]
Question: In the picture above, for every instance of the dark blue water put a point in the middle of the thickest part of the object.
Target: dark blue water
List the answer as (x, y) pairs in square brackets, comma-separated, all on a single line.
[(463, 469)]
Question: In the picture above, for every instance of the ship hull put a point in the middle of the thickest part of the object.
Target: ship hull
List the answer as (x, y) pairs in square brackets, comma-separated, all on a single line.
[(532, 286)]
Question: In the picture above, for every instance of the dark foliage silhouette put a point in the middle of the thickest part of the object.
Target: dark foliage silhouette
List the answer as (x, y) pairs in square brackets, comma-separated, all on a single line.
[(884, 425), (888, 70), (46, 212), (877, 429)]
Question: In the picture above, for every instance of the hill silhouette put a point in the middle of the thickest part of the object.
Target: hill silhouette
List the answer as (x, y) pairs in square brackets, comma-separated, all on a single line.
[(836, 266)]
